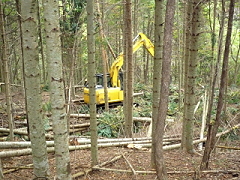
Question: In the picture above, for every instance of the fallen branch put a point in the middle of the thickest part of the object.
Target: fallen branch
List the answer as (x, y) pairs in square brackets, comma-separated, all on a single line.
[(205, 171), (170, 172), (110, 161), (86, 171), (12, 169), (129, 164), (100, 165), (225, 147), (125, 171)]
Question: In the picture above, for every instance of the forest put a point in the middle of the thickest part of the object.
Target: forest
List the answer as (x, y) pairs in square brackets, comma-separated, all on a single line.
[(119, 89)]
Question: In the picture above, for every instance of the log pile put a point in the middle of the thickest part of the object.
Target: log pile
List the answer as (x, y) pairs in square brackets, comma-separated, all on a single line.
[(22, 132), (24, 148)]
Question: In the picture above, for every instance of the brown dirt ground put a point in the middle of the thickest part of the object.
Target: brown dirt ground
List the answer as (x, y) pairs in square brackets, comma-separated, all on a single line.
[(16, 168), (175, 160)]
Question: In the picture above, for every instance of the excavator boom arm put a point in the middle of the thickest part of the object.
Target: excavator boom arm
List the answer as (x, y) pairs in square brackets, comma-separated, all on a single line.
[(141, 40)]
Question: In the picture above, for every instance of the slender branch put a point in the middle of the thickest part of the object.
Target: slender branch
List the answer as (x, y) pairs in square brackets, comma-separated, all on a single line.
[(129, 164)]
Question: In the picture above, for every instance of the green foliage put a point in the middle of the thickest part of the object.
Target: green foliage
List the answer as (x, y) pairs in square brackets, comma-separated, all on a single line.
[(45, 87), (73, 9), (111, 123), (233, 110), (233, 96), (145, 101), (233, 135), (47, 107), (172, 106), (84, 109), (144, 109), (46, 123)]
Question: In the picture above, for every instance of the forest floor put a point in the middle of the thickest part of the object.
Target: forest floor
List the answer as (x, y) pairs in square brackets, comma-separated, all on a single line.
[(179, 165), (224, 163)]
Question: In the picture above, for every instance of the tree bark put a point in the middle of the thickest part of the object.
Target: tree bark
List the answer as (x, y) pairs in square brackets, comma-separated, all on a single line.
[(158, 39), (104, 57), (29, 13), (56, 88), (128, 110), (91, 79), (192, 35), (164, 90)]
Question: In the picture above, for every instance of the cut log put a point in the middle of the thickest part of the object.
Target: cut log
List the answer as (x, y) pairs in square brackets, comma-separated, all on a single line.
[(28, 151), (21, 131), (78, 129), (82, 141), (25, 144), (15, 131), (80, 125), (139, 119)]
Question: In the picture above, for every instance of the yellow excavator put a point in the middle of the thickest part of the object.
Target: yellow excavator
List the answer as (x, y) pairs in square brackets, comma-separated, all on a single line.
[(115, 76)]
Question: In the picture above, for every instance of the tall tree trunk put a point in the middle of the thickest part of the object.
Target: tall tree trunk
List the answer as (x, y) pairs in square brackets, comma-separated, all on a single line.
[(213, 128), (1, 172), (92, 80), (216, 67), (32, 88), (42, 49), (236, 58), (214, 77), (18, 8), (181, 50), (6, 74), (192, 35), (129, 69), (158, 39), (164, 91), (104, 57), (56, 87), (187, 30)]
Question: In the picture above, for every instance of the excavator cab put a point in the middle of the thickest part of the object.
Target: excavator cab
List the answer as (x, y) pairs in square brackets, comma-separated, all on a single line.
[(99, 81), (115, 94)]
